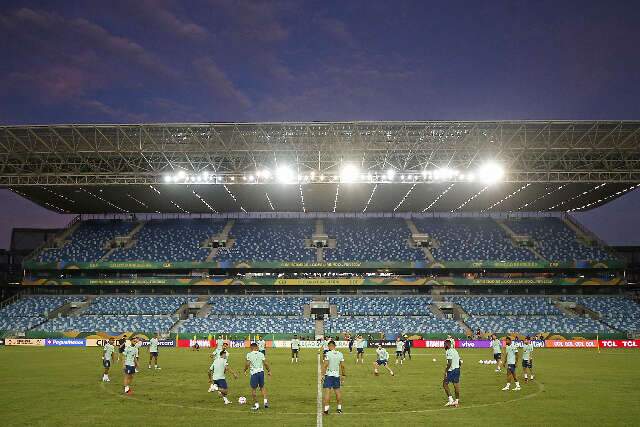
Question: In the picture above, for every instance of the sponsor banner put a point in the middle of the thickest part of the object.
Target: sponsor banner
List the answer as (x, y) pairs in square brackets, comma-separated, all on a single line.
[(1, 341), (238, 343), (202, 343), (65, 342), (518, 343), (307, 344), (428, 343), (473, 343), (161, 343), (24, 341), (571, 343), (384, 343), (619, 343)]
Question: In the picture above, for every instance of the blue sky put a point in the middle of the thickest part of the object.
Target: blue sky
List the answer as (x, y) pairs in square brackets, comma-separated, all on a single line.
[(212, 60)]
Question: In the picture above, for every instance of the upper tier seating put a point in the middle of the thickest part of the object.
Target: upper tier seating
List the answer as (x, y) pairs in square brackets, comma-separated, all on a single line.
[(509, 306), (171, 240), (253, 324), (555, 240), (269, 240), (137, 304), (471, 239), (87, 242), (381, 306), (117, 324), (370, 239), (620, 312), (391, 325), (531, 325), (258, 306)]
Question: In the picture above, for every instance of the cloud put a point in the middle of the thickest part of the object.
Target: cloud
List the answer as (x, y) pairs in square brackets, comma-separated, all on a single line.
[(51, 34), (117, 114), (158, 12), (218, 82), (253, 20)]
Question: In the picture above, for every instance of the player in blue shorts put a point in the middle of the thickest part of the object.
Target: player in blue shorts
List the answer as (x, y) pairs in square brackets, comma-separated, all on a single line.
[(527, 359), (511, 351), (332, 371), (218, 370), (107, 356), (130, 364), (496, 346), (382, 359), (399, 350), (452, 374), (256, 363)]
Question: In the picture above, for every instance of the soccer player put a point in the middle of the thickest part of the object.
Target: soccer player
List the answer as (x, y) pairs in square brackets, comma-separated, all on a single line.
[(130, 364), (220, 349), (382, 360), (218, 370), (407, 348), (511, 351), (256, 361), (451, 374), (153, 351), (332, 371), (295, 349), (360, 349), (527, 359), (107, 355), (399, 350), (452, 341), (352, 339), (496, 345), (262, 346)]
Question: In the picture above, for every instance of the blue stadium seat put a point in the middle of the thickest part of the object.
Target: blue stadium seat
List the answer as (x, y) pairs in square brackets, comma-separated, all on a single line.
[(87, 242), (30, 311), (555, 240), (129, 305), (381, 306), (370, 239), (531, 325), (391, 325), (253, 324), (269, 240), (171, 240), (471, 239), (257, 305), (509, 306), (115, 324), (617, 311)]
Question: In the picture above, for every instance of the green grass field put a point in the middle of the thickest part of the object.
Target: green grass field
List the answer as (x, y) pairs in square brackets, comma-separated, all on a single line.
[(61, 386)]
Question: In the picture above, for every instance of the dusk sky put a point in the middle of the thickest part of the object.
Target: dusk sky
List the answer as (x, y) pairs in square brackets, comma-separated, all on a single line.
[(170, 61)]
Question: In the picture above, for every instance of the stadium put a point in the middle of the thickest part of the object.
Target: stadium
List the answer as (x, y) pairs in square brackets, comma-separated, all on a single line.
[(227, 232)]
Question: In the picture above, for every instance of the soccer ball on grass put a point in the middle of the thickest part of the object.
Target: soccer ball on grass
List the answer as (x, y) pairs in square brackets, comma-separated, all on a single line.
[(242, 400)]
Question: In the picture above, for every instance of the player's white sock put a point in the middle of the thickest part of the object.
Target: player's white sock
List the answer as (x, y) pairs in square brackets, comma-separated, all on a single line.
[(531, 376), (525, 376), (401, 361), (266, 402), (256, 405), (451, 399), (225, 400), (375, 370), (456, 402), (517, 384), (126, 388), (326, 408), (340, 407)]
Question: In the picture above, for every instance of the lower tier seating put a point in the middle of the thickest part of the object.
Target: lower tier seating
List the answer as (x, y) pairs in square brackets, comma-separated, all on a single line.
[(257, 324)]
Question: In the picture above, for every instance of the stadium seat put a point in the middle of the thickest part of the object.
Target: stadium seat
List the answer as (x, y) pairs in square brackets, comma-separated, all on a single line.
[(129, 305), (509, 306), (532, 325), (257, 305), (391, 325), (370, 239), (555, 240), (381, 306), (87, 242), (618, 312), (253, 324), (471, 239), (114, 324), (171, 240), (30, 311), (269, 240)]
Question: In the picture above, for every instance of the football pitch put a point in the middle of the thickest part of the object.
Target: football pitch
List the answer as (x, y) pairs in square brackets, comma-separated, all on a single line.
[(62, 386)]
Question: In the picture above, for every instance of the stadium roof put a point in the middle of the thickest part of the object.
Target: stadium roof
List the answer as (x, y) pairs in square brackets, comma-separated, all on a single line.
[(435, 166)]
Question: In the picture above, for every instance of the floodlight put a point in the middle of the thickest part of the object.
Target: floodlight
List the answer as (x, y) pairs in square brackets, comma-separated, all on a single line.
[(168, 178), (349, 173), (284, 174), (491, 172), (390, 174)]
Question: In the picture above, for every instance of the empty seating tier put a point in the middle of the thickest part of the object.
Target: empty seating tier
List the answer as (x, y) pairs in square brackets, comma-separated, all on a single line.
[(137, 305), (509, 306)]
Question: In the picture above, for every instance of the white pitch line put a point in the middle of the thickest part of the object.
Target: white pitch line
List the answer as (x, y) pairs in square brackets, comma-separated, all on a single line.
[(319, 398)]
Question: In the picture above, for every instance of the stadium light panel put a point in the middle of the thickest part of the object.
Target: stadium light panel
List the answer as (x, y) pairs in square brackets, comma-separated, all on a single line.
[(168, 178), (349, 173), (390, 174), (491, 172), (284, 174), (180, 176)]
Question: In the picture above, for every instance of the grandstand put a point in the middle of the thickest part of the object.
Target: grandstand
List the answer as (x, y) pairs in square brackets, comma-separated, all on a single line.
[(427, 228)]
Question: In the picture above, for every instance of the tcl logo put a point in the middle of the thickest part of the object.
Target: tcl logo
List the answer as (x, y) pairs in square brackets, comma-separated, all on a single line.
[(619, 343)]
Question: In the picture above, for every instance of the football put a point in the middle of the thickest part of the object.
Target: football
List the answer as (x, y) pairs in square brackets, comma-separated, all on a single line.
[(242, 400)]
